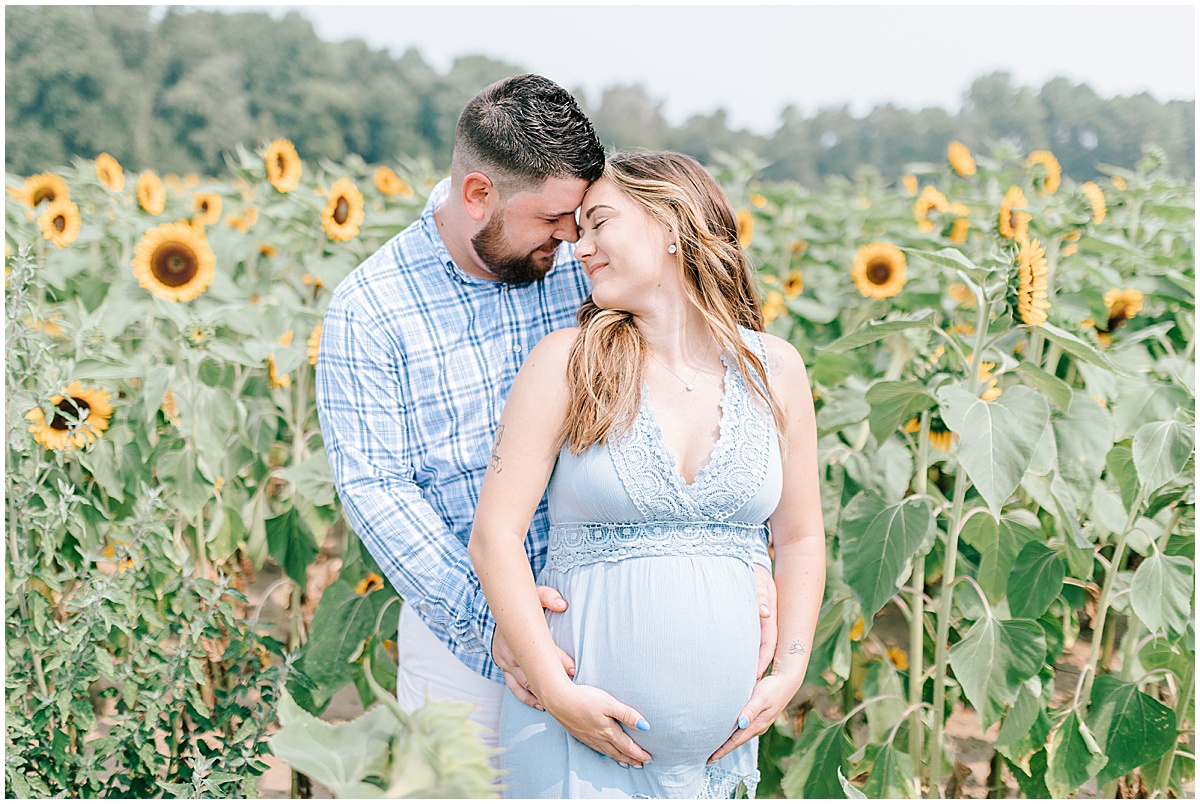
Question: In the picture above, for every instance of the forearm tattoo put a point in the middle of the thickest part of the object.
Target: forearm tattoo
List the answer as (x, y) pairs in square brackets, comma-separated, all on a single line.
[(798, 649), (496, 463)]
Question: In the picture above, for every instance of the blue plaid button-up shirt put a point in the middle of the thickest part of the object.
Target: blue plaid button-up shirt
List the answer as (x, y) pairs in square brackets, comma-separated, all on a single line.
[(416, 359)]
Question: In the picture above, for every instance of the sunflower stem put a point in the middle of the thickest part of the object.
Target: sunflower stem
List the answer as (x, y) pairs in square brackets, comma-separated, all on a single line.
[(916, 639), (1182, 697), (1084, 689)]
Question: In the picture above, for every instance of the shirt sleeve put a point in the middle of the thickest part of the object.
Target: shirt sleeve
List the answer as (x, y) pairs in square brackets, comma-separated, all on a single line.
[(365, 424)]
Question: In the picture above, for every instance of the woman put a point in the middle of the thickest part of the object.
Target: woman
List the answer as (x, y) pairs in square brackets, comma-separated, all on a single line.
[(668, 431)]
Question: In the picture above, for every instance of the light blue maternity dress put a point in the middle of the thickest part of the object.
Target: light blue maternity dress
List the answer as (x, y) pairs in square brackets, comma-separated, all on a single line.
[(663, 612)]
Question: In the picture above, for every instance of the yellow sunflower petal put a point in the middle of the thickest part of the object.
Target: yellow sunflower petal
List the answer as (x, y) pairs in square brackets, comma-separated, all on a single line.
[(152, 196), (1048, 183), (44, 187), (343, 212), (109, 172), (207, 207), (60, 222), (879, 270), (961, 159), (80, 416), (1095, 197), (745, 224), (283, 165)]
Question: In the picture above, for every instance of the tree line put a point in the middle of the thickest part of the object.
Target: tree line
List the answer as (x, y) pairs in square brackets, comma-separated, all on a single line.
[(176, 93)]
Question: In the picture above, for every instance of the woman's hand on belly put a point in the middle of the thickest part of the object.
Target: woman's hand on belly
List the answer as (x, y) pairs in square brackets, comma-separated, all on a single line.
[(594, 717)]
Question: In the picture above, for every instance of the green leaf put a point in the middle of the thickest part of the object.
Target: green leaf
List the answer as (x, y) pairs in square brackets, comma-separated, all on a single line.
[(878, 542), (842, 411), (342, 622), (1141, 403), (994, 659), (955, 260), (1162, 653), (1132, 727), (1083, 437), (850, 790), (89, 369), (876, 330), (1074, 757), (882, 680), (291, 543), (154, 388), (1160, 451), (1036, 579), (1078, 349), (894, 403), (891, 776), (313, 478), (998, 543), (998, 438), (820, 752), (1025, 728), (338, 756), (1032, 777), (1119, 463), (1161, 592), (830, 368), (1054, 389)]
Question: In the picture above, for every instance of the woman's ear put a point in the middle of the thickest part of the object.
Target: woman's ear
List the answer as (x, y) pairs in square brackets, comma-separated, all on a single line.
[(479, 196)]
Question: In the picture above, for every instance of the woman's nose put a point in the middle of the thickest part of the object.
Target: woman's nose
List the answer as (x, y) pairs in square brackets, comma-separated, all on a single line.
[(584, 247)]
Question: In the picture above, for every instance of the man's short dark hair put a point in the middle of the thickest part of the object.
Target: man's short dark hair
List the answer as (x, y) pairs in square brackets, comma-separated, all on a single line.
[(523, 130)]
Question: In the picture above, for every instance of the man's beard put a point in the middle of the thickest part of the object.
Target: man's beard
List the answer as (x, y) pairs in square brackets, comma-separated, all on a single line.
[(491, 246)]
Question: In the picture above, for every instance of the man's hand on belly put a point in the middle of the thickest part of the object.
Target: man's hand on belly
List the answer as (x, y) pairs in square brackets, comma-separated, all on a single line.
[(764, 587), (514, 677)]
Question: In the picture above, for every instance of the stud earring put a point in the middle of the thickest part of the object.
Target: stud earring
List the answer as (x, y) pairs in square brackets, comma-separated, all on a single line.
[(671, 249)]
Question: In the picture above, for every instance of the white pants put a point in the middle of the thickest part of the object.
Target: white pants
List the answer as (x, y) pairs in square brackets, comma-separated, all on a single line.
[(429, 669)]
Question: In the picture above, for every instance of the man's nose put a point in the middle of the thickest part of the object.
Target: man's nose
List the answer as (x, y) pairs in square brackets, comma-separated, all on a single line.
[(567, 229)]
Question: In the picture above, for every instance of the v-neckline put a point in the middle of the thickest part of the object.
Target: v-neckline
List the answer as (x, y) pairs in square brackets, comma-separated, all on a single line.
[(669, 454)]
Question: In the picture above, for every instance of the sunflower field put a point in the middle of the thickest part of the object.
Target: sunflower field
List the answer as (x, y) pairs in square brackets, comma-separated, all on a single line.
[(1003, 366)]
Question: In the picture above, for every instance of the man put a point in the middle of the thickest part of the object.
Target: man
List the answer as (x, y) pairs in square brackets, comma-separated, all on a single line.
[(419, 348)]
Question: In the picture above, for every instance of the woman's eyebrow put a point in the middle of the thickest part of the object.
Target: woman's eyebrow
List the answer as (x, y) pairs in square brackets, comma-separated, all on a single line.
[(588, 214)]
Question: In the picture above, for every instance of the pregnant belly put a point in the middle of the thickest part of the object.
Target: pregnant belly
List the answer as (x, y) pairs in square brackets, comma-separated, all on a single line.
[(674, 637)]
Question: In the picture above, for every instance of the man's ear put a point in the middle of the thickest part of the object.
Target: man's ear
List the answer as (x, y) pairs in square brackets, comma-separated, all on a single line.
[(479, 196)]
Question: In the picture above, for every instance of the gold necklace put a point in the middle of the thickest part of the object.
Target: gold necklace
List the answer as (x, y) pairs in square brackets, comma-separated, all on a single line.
[(687, 386)]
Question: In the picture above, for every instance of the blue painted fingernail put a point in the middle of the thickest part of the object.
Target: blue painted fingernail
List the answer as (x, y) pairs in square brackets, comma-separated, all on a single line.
[(642, 724), (744, 722)]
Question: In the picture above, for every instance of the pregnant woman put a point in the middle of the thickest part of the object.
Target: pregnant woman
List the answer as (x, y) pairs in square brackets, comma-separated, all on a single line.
[(668, 431)]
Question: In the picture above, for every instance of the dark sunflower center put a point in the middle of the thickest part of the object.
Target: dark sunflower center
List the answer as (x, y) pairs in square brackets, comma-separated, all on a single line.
[(341, 212), (1116, 318), (42, 194), (204, 207), (280, 164), (879, 271), (174, 264), (69, 413), (60, 223)]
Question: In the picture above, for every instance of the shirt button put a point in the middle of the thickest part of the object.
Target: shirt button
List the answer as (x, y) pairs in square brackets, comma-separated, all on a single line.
[(516, 348)]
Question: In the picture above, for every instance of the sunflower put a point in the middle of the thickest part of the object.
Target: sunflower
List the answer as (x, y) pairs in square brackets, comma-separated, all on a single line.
[(108, 171), (940, 437), (238, 222), (207, 207), (1095, 197), (1119, 183), (80, 416), (985, 375), (930, 199), (758, 200), (315, 282), (793, 285), (1047, 185), (958, 232), (43, 187), (961, 294), (910, 183), (174, 262), (283, 165), (267, 250), (1072, 241), (343, 212), (198, 334), (369, 583), (961, 160), (799, 247), (773, 307), (1027, 289), (899, 658), (173, 182), (191, 179), (745, 227), (1014, 224), (388, 183), (856, 630), (913, 425), (879, 270), (169, 406), (60, 222), (1122, 305), (314, 341), (275, 380), (152, 196)]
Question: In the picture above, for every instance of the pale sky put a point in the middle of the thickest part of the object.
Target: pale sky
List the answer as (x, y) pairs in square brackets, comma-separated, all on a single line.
[(755, 60)]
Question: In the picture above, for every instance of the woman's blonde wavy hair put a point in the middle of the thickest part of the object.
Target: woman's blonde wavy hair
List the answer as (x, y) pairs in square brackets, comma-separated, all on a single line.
[(606, 366)]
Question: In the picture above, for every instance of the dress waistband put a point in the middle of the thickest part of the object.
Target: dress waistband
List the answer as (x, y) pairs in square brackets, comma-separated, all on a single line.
[(575, 544)]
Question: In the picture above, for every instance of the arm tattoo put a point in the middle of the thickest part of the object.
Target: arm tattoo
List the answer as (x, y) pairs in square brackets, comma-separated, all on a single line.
[(797, 649), (496, 463)]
